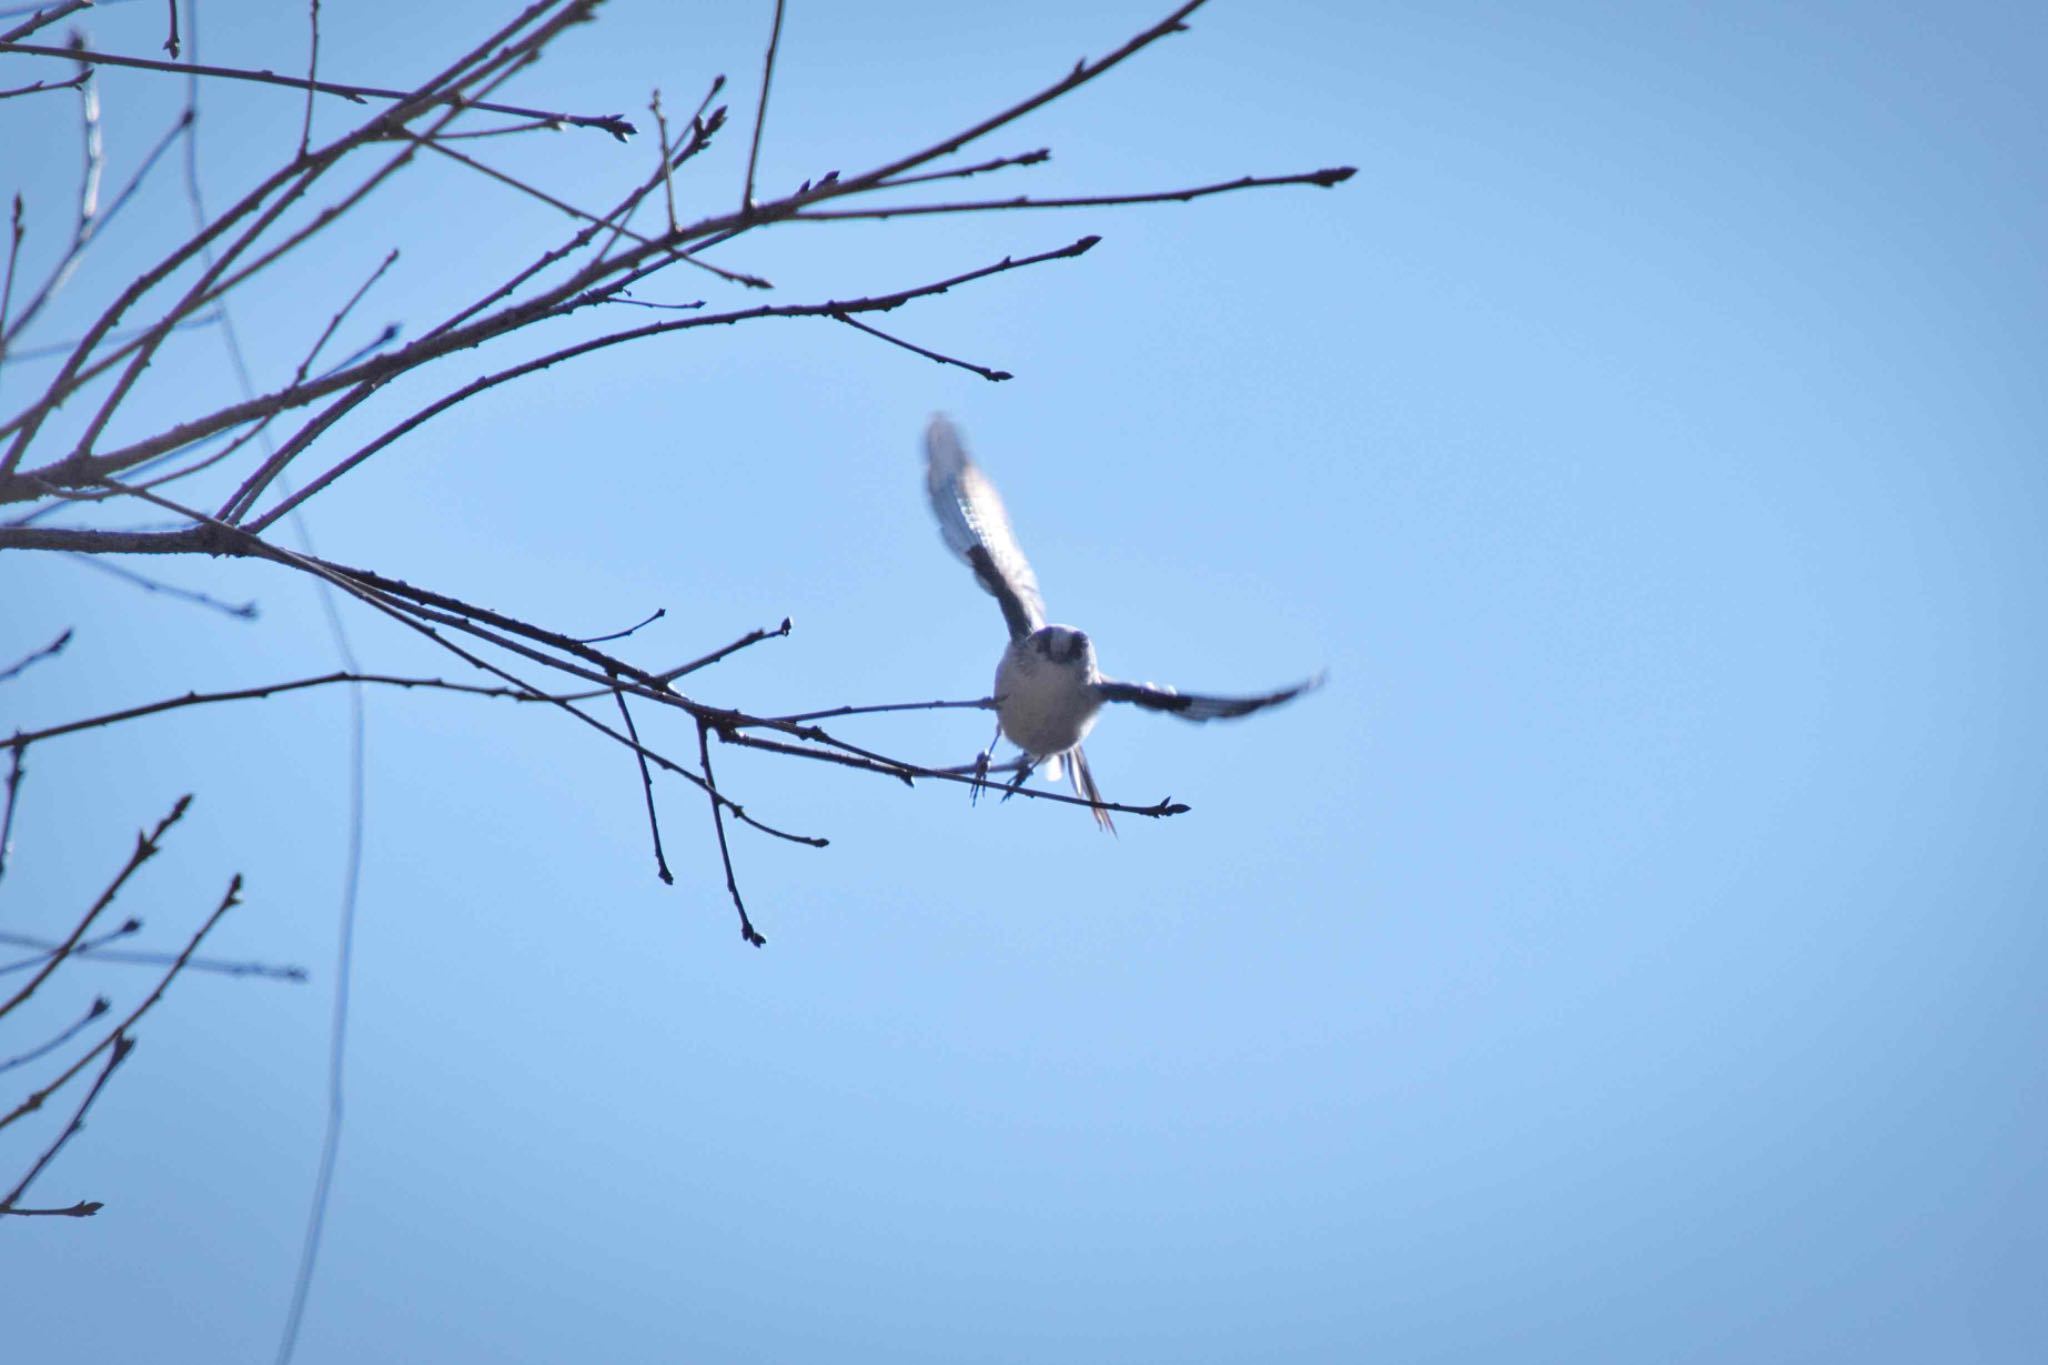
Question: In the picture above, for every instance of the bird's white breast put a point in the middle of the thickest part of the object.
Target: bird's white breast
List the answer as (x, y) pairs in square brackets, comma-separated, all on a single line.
[(1047, 701)]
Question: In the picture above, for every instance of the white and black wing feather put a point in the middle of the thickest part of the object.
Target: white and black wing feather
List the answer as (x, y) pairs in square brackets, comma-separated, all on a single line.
[(1193, 705), (976, 528)]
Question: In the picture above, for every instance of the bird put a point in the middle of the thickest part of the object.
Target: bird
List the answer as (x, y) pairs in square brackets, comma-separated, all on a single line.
[(1049, 688)]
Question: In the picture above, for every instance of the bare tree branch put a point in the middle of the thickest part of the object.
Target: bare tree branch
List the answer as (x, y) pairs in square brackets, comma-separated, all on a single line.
[(36, 1099), (615, 124), (123, 1044), (48, 651), (145, 848)]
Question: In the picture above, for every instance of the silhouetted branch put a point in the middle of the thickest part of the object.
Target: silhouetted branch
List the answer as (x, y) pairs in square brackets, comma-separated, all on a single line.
[(48, 651), (760, 121), (614, 124), (15, 772), (993, 376), (37, 1098), (43, 19), (92, 951), (38, 87), (99, 1006), (647, 787), (123, 1045), (747, 930), (1335, 175), (145, 848), (245, 611)]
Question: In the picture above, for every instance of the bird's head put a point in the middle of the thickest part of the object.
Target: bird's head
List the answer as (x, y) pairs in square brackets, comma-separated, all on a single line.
[(1063, 645)]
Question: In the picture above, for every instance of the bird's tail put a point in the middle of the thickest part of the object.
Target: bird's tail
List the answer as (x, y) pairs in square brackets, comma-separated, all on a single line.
[(1085, 788)]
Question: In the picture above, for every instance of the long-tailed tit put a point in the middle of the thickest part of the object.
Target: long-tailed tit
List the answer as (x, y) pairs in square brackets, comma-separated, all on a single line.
[(1048, 688)]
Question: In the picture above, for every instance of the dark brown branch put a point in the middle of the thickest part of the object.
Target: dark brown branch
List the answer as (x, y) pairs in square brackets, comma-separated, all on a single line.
[(907, 772), (43, 19), (77, 1026), (752, 637), (123, 1045), (985, 704), (1031, 158), (747, 930), (631, 630), (85, 1208), (1082, 73), (141, 957), (1335, 175), (312, 68), (40, 86), (127, 929), (993, 376), (15, 772), (245, 611), (22, 739), (76, 370), (92, 224), (614, 124), (235, 539), (334, 323), (35, 1100), (145, 848), (647, 787), (760, 121), (48, 651), (15, 234), (878, 304)]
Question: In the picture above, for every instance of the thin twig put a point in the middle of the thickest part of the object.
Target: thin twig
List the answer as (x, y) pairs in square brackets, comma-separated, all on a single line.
[(127, 929), (43, 19), (40, 86), (668, 183), (22, 739), (1329, 176), (647, 786), (312, 71), (287, 184), (100, 1005), (659, 612), (243, 610), (15, 772), (760, 119), (615, 124), (228, 901), (747, 930), (985, 704), (48, 651), (1031, 158), (145, 848), (88, 230), (123, 1045), (752, 637), (358, 584), (907, 772), (17, 232), (335, 322), (26, 353), (993, 376), (877, 304), (91, 951)]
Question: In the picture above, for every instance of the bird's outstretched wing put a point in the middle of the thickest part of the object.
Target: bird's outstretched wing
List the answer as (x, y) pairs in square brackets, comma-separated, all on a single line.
[(1194, 706), (975, 527)]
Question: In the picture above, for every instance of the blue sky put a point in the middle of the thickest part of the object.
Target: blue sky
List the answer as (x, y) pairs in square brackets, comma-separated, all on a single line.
[(1633, 952)]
